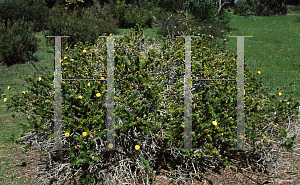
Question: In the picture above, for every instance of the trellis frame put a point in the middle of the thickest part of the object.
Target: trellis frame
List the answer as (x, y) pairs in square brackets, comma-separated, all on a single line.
[(187, 100)]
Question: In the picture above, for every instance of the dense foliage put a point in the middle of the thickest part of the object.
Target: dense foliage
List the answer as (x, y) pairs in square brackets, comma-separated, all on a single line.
[(86, 28), (149, 88), (261, 8), (17, 42), (32, 11)]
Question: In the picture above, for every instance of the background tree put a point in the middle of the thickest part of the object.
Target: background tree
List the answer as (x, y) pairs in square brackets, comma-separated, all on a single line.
[(261, 7), (70, 4), (293, 2)]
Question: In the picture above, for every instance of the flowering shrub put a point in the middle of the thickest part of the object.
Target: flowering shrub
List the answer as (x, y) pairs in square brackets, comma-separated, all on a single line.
[(149, 86)]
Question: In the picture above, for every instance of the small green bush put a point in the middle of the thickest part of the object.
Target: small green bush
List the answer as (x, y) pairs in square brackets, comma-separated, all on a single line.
[(86, 30), (128, 16), (103, 12), (17, 42), (215, 26), (293, 8), (36, 13), (241, 8)]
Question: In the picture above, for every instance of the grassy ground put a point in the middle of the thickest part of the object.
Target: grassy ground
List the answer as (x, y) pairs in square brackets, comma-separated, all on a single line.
[(273, 51)]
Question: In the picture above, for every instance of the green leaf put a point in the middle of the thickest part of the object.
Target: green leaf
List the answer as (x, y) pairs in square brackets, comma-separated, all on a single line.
[(26, 146)]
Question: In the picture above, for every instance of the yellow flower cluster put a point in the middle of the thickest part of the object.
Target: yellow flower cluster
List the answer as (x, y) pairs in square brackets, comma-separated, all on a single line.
[(8, 87)]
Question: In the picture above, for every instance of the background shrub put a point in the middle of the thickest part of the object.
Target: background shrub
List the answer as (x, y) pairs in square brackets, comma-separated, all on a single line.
[(293, 8), (212, 23), (17, 42), (241, 8), (128, 16), (32, 11), (103, 12), (261, 8), (86, 30)]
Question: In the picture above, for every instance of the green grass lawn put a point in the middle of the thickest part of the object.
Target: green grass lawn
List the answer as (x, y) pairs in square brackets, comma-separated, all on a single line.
[(273, 50)]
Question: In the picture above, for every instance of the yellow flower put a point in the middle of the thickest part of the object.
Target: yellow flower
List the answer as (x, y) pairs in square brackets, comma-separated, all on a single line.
[(258, 72), (98, 95), (137, 147), (280, 93), (65, 58), (67, 134), (65, 68), (110, 145), (102, 78), (215, 151), (208, 135), (67, 62), (84, 51), (84, 134), (40, 78), (280, 100), (89, 84), (287, 102), (75, 45), (233, 59), (61, 60), (64, 82), (23, 92), (204, 47), (72, 59), (110, 34), (66, 47), (215, 123), (80, 97), (8, 87), (5, 99)]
